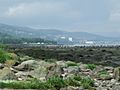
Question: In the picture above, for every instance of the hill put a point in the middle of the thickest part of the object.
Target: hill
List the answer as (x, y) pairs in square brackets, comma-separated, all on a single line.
[(49, 34)]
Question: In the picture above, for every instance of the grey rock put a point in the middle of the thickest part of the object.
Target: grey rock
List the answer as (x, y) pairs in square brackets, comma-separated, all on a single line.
[(27, 65)]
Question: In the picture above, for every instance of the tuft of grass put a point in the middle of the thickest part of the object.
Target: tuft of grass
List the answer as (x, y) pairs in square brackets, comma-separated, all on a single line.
[(51, 60), (87, 82), (103, 73), (71, 64), (4, 56), (91, 66)]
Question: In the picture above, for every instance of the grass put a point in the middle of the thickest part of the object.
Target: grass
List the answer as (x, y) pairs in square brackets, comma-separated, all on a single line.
[(4, 56), (90, 66), (53, 83), (70, 63), (103, 73), (51, 60)]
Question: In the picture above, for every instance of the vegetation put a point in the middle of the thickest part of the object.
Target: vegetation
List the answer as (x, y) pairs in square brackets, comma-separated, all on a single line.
[(54, 83), (4, 56), (70, 63), (96, 55), (51, 60), (12, 40), (91, 66), (102, 73)]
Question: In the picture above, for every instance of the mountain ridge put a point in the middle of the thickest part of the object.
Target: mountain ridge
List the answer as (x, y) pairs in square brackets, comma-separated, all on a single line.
[(49, 34)]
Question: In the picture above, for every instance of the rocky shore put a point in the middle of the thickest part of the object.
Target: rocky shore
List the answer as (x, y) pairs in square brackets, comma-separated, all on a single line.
[(26, 68)]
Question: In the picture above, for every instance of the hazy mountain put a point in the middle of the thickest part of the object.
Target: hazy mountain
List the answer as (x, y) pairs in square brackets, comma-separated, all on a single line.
[(49, 34)]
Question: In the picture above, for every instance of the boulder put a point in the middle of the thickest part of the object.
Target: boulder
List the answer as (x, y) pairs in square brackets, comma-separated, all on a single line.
[(53, 69), (27, 65), (39, 73), (7, 74)]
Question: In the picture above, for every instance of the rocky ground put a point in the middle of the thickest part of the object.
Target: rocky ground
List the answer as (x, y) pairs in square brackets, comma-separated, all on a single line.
[(104, 77)]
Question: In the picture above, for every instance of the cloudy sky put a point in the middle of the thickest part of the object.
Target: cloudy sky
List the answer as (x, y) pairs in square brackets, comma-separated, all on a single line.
[(96, 16)]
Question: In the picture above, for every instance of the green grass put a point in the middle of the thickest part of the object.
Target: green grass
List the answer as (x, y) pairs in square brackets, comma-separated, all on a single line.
[(51, 60), (103, 73), (53, 83), (4, 56), (70, 63), (90, 66)]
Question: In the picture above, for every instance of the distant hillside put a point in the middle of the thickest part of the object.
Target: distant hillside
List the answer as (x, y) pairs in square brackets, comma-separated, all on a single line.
[(49, 34), (13, 35)]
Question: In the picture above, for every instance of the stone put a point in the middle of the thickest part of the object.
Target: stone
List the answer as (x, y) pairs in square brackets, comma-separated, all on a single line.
[(116, 87), (27, 65), (1, 66), (7, 74), (25, 58), (23, 75), (74, 88), (40, 73), (117, 73), (102, 88), (61, 63), (73, 70), (53, 69)]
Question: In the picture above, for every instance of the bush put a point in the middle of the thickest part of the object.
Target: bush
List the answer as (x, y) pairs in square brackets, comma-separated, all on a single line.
[(4, 56), (91, 66)]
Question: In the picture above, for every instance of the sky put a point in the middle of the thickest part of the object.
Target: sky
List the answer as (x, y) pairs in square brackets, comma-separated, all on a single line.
[(95, 16)]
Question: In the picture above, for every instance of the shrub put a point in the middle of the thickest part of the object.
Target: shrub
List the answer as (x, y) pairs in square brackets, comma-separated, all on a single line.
[(91, 66)]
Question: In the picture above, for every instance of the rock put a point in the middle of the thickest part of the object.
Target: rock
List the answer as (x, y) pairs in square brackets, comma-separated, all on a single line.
[(82, 66), (39, 73), (1, 66), (10, 76), (97, 69), (105, 77), (116, 87), (74, 88), (27, 65), (102, 88), (7, 74), (25, 58), (61, 64), (23, 75), (117, 73), (113, 81), (108, 68), (53, 69), (73, 70)]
